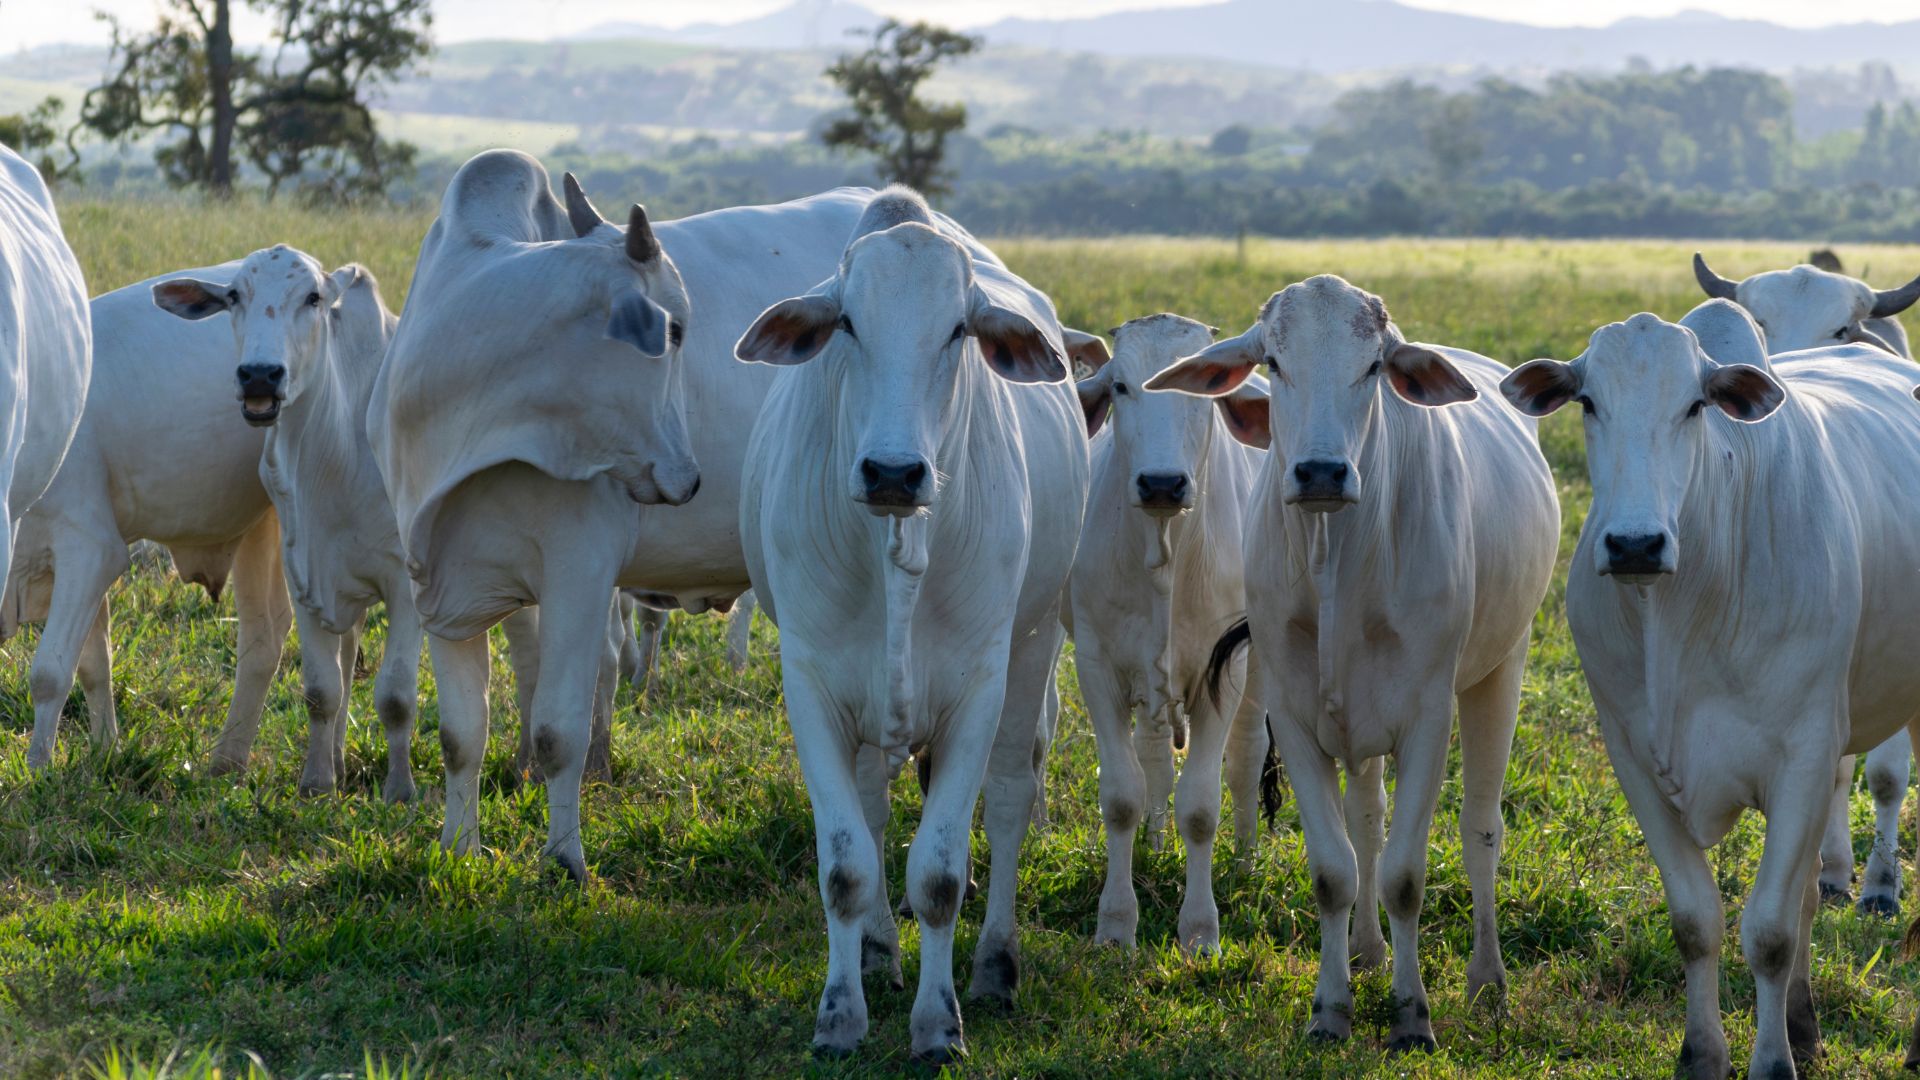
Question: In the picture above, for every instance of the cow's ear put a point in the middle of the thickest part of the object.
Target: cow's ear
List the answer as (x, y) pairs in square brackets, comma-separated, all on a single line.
[(191, 298), (1215, 370), (1539, 387), (1086, 352), (1424, 377), (1743, 391), (342, 281), (1248, 414), (639, 322), (790, 332), (1096, 399), (1014, 347)]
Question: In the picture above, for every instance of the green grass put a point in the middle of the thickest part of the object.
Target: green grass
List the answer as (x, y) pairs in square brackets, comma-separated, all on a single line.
[(155, 922)]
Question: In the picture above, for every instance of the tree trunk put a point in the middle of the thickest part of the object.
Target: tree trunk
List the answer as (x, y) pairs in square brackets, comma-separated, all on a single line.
[(220, 81)]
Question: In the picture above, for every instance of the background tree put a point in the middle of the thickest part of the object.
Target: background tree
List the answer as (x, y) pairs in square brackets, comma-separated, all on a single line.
[(36, 132), (300, 114), (889, 119)]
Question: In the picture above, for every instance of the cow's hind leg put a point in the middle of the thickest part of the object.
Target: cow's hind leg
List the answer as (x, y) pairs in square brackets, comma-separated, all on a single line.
[(96, 677), (1888, 770), (522, 629), (1488, 714), (83, 571), (1008, 809), (1836, 845), (1366, 813), (396, 691), (1245, 761), (740, 630), (460, 670), (263, 615), (880, 942), (1197, 815), (1153, 747)]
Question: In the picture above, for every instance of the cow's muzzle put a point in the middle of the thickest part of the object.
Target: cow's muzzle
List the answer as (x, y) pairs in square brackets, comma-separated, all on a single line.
[(1323, 487), (895, 488), (262, 389), (1637, 558), (1163, 494)]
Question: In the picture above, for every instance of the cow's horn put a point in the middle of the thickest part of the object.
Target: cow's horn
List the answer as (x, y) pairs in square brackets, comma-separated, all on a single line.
[(580, 211), (1714, 285), (641, 246), (1892, 302)]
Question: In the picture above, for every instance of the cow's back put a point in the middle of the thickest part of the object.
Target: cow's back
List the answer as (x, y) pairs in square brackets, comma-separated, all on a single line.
[(45, 350)]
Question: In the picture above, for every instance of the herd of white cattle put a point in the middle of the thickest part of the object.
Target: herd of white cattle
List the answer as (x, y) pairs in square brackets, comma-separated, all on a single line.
[(849, 406)]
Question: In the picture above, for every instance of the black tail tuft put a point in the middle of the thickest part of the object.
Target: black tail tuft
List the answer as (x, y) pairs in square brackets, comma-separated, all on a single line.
[(1230, 642), (1270, 779), (923, 767)]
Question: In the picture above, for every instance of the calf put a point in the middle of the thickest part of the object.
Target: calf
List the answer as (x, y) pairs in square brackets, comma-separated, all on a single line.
[(913, 495), (1400, 540), (1158, 577), (1742, 597)]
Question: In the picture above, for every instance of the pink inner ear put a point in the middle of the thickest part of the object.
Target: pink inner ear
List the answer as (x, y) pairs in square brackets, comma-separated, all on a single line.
[(1424, 379)]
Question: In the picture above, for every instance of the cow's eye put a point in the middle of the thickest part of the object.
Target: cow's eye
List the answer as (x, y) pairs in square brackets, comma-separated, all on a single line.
[(1374, 370), (676, 333), (1273, 363), (846, 324), (1121, 389), (1840, 334), (1694, 409), (1586, 404), (313, 299), (959, 331), (233, 296)]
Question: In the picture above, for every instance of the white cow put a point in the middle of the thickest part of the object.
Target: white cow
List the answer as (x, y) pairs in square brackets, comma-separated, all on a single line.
[(46, 359), (912, 500), (309, 344), (1396, 553), (1808, 308), (531, 403), (1755, 628), (1158, 577), (159, 456)]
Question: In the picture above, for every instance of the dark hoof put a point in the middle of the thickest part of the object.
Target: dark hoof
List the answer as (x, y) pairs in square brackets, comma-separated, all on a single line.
[(827, 1052), (1882, 907), (1407, 1044), (1323, 1037), (576, 872), (1835, 894), (939, 1056), (1779, 1070)]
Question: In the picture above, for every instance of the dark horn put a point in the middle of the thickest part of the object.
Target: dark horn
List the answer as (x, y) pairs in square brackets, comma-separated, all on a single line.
[(580, 211), (1892, 302), (641, 246), (1713, 284)]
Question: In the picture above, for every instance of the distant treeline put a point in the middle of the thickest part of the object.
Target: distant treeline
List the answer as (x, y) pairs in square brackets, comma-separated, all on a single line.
[(1677, 153)]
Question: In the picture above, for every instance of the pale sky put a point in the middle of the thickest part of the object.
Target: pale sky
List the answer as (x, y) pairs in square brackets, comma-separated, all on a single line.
[(25, 23)]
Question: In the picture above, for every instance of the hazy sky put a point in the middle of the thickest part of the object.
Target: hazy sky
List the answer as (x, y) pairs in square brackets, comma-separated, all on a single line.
[(37, 22)]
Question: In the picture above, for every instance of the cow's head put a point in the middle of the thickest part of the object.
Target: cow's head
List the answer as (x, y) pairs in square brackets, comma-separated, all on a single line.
[(1649, 392), (1806, 307), (1329, 348), (285, 310), (1160, 439), (902, 316), (632, 300)]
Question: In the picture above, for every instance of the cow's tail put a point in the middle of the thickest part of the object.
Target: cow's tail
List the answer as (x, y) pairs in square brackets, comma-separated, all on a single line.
[(1270, 778), (1910, 944), (1236, 638)]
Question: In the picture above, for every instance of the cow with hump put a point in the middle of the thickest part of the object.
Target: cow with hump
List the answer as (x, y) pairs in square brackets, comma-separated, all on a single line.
[(913, 496), (1810, 307), (1743, 599), (1401, 537), (46, 359), (530, 425), (1157, 579)]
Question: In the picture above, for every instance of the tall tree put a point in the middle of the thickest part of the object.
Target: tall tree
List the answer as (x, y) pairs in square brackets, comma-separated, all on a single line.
[(888, 117), (33, 135), (300, 113)]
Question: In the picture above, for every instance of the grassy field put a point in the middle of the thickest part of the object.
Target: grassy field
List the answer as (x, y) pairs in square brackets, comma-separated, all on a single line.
[(146, 909)]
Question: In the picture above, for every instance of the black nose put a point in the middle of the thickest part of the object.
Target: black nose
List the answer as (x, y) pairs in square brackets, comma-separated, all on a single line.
[(1162, 490), (1642, 554), (893, 483), (1321, 479), (261, 380)]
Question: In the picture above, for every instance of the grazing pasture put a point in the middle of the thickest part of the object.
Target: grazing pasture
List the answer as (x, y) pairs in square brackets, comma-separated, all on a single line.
[(147, 909)]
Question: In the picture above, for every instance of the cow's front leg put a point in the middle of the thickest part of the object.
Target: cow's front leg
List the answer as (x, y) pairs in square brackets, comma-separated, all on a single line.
[(396, 690), (1420, 764), (573, 636), (323, 686), (1330, 858), (848, 861), (1123, 795), (1488, 714), (1769, 929), (1197, 815)]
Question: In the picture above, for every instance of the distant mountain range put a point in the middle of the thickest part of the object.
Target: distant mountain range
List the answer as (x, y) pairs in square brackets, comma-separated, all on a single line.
[(1333, 36)]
